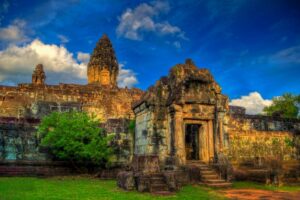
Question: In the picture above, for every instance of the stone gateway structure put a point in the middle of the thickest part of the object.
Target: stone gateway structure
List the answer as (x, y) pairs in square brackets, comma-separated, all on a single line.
[(181, 116), (185, 131)]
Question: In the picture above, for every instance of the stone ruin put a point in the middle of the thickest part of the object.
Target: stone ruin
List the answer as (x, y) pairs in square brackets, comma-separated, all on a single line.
[(181, 116), (103, 67), (22, 107), (179, 122), (38, 76), (183, 123)]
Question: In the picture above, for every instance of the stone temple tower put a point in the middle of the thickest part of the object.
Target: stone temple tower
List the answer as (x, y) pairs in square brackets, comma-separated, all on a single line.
[(103, 67), (38, 75)]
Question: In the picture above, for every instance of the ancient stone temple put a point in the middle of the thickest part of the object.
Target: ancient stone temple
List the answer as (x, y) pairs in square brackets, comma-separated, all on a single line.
[(38, 75), (181, 116), (184, 127), (23, 106), (103, 67)]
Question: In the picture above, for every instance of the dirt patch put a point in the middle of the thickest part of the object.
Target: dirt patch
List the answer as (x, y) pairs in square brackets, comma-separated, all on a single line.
[(253, 194)]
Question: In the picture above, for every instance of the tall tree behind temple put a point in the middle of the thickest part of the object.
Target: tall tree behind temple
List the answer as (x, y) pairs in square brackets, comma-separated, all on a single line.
[(286, 106)]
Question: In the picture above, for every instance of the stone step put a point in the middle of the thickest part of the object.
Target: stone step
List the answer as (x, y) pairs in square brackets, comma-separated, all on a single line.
[(207, 172), (219, 185), (157, 181), (195, 161), (157, 177), (209, 176), (197, 164), (202, 166), (159, 188), (214, 181)]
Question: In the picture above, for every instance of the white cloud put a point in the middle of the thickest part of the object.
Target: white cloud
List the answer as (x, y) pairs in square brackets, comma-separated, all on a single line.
[(126, 78), (254, 103), (83, 57), (143, 18), (288, 55), (18, 62), (63, 39), (13, 33)]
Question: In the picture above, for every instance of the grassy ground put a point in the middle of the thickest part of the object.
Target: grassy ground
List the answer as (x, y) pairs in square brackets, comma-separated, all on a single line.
[(63, 188), (86, 188)]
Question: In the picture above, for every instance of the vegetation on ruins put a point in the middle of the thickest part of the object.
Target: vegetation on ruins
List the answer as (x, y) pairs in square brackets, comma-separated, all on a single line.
[(75, 137), (287, 106)]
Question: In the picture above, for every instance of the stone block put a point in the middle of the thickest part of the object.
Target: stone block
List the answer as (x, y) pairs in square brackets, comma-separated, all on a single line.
[(125, 180)]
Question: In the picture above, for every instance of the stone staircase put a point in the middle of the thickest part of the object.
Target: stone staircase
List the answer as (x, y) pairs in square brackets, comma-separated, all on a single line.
[(158, 184), (208, 176)]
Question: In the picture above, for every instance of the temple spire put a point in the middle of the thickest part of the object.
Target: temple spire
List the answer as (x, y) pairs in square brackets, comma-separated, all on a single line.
[(38, 75), (103, 67)]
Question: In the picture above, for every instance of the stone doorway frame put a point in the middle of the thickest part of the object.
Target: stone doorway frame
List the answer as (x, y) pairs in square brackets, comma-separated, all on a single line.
[(206, 141), (192, 137)]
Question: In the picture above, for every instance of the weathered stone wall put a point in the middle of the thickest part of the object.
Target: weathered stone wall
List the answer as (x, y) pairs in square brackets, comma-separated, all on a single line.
[(143, 132), (26, 100), (262, 123), (258, 126), (18, 140), (240, 124)]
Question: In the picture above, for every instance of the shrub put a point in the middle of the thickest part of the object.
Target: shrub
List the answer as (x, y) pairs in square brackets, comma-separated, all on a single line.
[(75, 137)]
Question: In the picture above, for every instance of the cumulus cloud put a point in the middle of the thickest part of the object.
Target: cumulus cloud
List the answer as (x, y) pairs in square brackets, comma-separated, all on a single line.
[(18, 62), (254, 103), (83, 57), (144, 18), (126, 78), (13, 33)]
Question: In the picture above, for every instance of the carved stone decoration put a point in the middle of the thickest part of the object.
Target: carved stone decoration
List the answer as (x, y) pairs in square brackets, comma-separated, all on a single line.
[(38, 75), (103, 67)]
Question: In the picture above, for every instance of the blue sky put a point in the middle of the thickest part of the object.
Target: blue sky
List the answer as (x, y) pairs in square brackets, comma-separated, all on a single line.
[(249, 46)]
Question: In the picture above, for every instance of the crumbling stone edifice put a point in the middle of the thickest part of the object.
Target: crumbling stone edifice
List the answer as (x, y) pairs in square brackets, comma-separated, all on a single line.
[(28, 102), (182, 121), (181, 116)]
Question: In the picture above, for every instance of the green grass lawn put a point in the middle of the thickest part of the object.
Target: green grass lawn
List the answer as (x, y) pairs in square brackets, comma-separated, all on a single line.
[(86, 188)]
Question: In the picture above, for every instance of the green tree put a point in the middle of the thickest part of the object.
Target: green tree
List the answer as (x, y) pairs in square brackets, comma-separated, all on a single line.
[(286, 105), (75, 137)]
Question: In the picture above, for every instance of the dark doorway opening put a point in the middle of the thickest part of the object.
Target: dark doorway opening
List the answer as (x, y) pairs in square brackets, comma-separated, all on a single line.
[(192, 141)]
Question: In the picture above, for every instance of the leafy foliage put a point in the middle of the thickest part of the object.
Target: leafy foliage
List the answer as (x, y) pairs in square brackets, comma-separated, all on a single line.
[(286, 105), (76, 137), (131, 126)]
